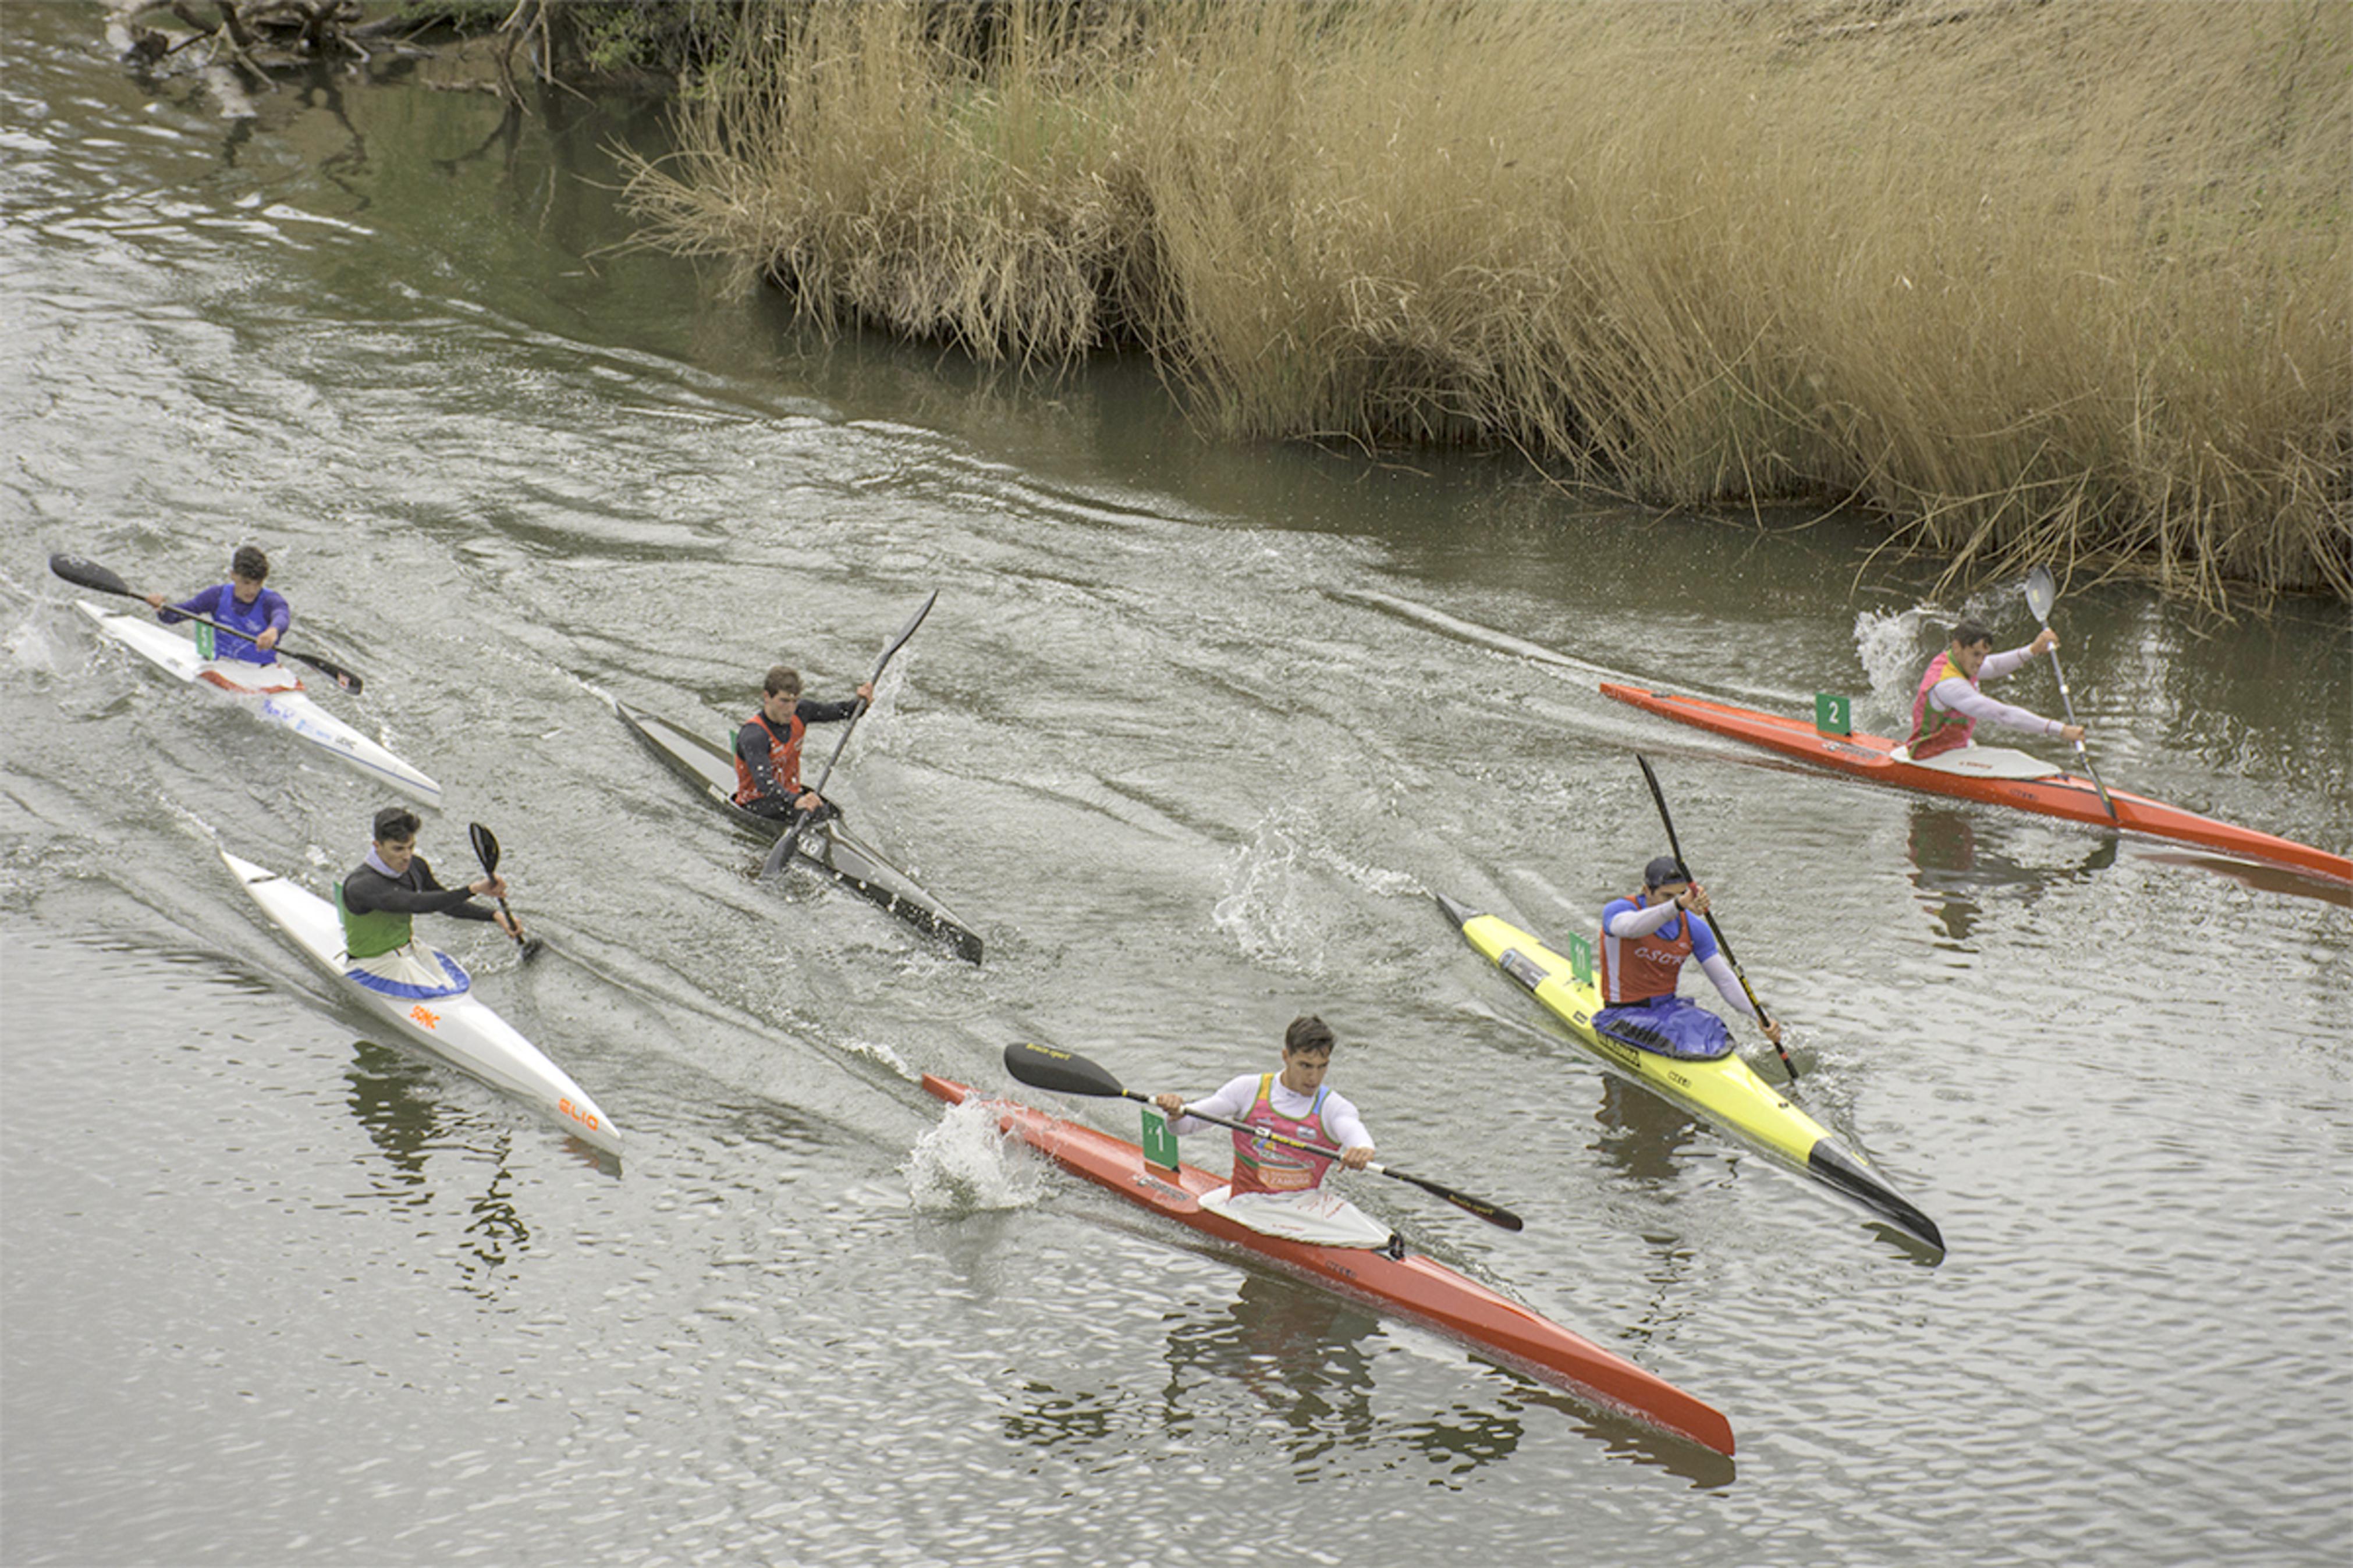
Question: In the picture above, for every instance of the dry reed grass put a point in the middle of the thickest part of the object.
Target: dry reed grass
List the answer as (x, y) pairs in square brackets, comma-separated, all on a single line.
[(2062, 283)]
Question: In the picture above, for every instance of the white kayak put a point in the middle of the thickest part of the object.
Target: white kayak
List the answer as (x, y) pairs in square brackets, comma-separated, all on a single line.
[(444, 1017), (276, 692)]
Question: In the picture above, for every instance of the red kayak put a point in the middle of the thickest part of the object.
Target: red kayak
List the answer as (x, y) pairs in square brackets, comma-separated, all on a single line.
[(1996, 774), (1412, 1286)]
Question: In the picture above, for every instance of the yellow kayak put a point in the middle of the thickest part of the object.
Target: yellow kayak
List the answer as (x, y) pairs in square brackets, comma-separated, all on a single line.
[(1727, 1090)]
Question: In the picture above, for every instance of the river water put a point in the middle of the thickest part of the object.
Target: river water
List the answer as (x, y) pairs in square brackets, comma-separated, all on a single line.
[(1190, 737)]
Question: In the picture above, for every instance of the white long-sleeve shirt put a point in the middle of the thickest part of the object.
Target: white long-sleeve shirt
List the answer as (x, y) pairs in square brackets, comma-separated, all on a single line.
[(1234, 1101), (1953, 694)]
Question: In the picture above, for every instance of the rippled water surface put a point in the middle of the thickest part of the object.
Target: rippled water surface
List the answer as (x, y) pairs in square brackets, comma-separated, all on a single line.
[(1191, 736)]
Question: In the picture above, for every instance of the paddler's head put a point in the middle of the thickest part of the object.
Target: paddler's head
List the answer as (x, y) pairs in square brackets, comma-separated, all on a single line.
[(780, 694), (248, 569), (1306, 1053), (1971, 645), (395, 837), (1663, 879)]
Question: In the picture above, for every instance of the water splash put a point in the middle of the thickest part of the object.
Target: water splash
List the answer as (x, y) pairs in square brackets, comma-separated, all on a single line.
[(1893, 648), (964, 1165), (1279, 904)]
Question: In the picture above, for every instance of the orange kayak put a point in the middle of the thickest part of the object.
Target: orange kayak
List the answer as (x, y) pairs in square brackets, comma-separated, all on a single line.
[(1410, 1285), (2054, 794)]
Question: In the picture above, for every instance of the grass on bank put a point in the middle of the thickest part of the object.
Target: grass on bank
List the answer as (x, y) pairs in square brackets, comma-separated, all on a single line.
[(2061, 283)]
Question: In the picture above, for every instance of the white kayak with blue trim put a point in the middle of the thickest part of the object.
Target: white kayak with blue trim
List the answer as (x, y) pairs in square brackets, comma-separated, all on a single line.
[(425, 993), (276, 692)]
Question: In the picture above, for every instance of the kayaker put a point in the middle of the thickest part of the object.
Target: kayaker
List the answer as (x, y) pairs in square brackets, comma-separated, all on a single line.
[(1294, 1103), (1645, 939), (768, 747), (1948, 706), (378, 901), (241, 604)]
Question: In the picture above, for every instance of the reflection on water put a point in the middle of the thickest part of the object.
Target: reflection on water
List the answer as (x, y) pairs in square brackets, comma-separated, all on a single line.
[(1299, 1352), (1953, 873), (1642, 1133), (392, 1096)]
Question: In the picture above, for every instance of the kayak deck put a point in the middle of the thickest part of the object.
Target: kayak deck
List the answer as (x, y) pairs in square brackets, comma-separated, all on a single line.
[(828, 847), (278, 694), (1406, 1283), (2056, 793), (458, 1027), (1726, 1090)]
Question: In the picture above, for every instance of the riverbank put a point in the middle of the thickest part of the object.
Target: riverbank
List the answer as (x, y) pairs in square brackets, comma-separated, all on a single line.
[(2029, 282)]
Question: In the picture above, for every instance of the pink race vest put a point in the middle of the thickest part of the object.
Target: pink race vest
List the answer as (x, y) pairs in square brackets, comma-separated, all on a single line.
[(1269, 1167), (1935, 730), (1637, 968)]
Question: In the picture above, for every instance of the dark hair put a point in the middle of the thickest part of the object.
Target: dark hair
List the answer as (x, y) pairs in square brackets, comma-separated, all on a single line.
[(1308, 1033), (394, 823), (783, 681), (1664, 869), (249, 563), (1968, 634)]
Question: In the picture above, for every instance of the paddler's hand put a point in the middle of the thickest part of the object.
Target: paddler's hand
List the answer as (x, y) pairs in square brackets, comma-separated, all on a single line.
[(267, 641), (509, 924), (807, 801), (866, 694), (1772, 1031), (1171, 1106), (2070, 731), (491, 887), (1696, 901), (154, 601), (2045, 641), (1357, 1158)]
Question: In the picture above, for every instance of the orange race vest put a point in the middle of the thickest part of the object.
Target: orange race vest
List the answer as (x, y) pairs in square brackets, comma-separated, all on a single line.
[(1637, 968), (783, 759)]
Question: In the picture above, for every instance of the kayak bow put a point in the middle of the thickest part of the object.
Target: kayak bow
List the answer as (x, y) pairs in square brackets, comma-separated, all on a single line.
[(1726, 1090), (278, 696), (1406, 1283), (828, 847), (1996, 774), (457, 1028)]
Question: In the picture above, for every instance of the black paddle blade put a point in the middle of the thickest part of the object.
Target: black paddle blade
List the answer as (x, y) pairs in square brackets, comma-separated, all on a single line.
[(1493, 1214), (89, 574), (906, 631), (1058, 1071), (486, 847)]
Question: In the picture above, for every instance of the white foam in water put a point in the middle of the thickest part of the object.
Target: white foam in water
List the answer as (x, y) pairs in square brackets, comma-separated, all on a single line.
[(1893, 652), (1272, 903), (965, 1164)]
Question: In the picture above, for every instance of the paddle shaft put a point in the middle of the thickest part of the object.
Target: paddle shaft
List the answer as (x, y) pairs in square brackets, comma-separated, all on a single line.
[(1463, 1201), (1066, 1072), (782, 852), (1714, 922), (90, 574), (2039, 597)]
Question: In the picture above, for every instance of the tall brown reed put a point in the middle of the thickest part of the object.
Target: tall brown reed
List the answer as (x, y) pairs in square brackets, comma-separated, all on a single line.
[(2056, 283)]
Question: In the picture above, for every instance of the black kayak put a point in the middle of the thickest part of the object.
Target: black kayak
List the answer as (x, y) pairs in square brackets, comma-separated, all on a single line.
[(828, 847)]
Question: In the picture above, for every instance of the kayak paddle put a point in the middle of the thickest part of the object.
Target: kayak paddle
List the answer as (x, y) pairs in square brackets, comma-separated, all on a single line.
[(2041, 595), (485, 850), (1065, 1072), (90, 574), (782, 852), (1714, 923)]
